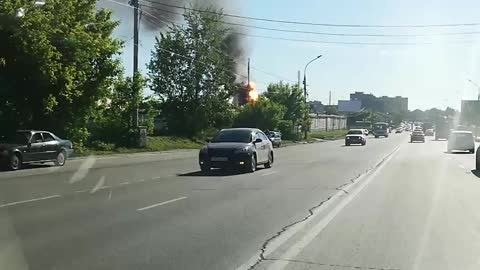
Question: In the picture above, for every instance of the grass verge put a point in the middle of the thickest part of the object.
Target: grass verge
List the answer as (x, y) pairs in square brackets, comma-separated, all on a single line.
[(328, 135), (154, 144)]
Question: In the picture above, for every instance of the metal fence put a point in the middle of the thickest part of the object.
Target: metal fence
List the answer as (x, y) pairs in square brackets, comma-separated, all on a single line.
[(323, 122)]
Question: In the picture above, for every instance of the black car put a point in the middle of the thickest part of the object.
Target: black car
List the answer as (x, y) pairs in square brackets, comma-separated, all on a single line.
[(29, 146), (417, 136), (237, 147)]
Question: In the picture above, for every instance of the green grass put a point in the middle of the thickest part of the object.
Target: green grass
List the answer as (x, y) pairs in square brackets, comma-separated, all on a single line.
[(328, 135), (156, 143)]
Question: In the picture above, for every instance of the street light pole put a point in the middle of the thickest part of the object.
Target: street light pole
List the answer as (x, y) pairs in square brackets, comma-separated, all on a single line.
[(478, 87), (305, 92)]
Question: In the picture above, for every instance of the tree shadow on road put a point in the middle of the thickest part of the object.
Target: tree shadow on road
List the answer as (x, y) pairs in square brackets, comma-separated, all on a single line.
[(476, 173)]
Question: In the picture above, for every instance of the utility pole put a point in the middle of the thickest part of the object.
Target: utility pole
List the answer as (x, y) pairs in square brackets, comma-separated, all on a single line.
[(329, 98), (135, 56)]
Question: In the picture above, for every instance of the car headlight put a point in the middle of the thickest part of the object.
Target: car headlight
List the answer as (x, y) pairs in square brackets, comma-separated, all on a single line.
[(242, 150)]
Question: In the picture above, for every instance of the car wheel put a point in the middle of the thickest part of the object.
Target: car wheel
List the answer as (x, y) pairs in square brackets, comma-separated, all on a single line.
[(205, 169), (472, 151), (61, 157), (376, 136), (364, 143), (269, 163), (15, 162), (347, 144), (477, 165), (252, 166)]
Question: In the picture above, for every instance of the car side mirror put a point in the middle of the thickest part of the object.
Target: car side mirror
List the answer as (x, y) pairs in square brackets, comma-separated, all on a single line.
[(258, 140), (208, 140)]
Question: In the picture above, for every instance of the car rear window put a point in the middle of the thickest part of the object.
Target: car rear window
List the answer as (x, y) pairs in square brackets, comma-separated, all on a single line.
[(355, 132)]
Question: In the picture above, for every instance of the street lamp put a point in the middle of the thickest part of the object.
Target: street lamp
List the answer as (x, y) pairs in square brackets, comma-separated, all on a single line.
[(478, 87), (305, 91)]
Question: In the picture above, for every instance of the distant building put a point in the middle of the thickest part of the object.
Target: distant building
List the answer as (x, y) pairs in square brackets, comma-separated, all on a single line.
[(316, 106), (470, 112), (381, 104), (349, 105)]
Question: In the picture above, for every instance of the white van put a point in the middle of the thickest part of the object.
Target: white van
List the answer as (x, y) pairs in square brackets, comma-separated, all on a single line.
[(461, 140)]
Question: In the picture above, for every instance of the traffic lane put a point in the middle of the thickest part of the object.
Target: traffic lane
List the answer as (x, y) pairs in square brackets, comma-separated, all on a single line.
[(245, 214), (92, 173), (419, 212), (110, 161)]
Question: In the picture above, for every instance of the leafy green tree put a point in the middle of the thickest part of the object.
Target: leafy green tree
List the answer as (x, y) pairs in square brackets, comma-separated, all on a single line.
[(56, 62), (116, 123), (263, 114), (291, 98), (192, 73)]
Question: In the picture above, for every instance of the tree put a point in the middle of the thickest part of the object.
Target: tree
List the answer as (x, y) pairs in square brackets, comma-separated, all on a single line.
[(192, 73), (289, 96), (263, 114), (56, 63)]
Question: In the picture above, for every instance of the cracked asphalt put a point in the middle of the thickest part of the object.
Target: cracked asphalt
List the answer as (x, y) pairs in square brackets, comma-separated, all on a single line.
[(388, 205)]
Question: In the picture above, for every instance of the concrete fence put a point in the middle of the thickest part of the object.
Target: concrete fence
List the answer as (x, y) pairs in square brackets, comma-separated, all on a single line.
[(323, 122)]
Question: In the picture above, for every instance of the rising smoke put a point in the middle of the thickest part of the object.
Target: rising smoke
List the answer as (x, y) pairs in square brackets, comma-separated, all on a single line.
[(235, 43), (154, 20)]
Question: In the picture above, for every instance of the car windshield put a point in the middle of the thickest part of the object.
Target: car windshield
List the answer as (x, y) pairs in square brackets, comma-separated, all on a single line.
[(243, 136), (463, 136), (355, 132), (18, 137)]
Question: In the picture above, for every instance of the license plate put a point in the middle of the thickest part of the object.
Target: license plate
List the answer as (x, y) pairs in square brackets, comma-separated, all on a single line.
[(219, 159)]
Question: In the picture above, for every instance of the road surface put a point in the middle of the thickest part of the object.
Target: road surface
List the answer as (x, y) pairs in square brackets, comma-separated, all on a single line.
[(388, 205)]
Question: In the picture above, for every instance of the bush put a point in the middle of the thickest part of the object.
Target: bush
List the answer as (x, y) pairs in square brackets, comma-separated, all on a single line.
[(287, 130), (102, 146)]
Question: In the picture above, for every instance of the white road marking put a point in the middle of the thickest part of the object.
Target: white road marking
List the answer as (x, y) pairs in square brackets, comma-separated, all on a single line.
[(141, 180), (83, 170), (32, 200), (125, 183), (300, 245), (99, 184), (160, 204), (156, 177), (104, 187), (461, 166), (110, 194), (268, 173), (80, 191)]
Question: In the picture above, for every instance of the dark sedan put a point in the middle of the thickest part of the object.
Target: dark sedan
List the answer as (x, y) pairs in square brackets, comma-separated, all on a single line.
[(417, 136), (237, 147), (30, 146)]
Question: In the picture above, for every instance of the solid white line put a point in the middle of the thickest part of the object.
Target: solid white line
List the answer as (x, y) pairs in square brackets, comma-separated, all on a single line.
[(125, 183), (32, 200), (300, 245), (103, 187), (156, 177), (99, 184), (79, 191), (160, 204), (268, 173), (110, 194), (141, 180)]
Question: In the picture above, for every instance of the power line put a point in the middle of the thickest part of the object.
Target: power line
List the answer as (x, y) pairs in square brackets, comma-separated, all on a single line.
[(318, 24), (344, 43), (166, 21), (325, 33)]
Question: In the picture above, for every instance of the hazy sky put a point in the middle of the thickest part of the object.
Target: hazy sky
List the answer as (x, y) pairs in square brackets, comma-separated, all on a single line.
[(430, 75)]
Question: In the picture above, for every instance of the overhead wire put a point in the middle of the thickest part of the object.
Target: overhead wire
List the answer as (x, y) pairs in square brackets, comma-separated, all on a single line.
[(317, 24), (324, 33)]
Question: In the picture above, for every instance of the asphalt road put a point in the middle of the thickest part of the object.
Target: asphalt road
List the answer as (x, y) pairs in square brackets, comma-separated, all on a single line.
[(388, 205)]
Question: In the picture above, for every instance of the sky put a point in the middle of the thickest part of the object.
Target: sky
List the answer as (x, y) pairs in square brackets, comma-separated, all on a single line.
[(432, 71)]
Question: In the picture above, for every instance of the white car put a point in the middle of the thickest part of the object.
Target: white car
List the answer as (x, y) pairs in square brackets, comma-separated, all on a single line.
[(462, 141), (355, 136)]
